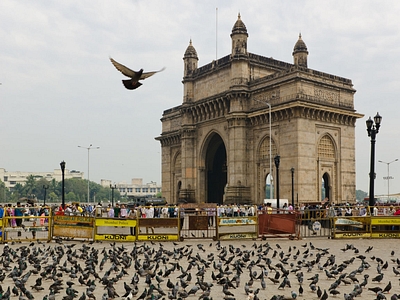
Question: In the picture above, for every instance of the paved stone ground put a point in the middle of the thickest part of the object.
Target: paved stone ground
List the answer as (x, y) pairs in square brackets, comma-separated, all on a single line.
[(201, 259)]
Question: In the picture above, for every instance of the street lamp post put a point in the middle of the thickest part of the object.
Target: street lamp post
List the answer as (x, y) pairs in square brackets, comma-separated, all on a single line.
[(388, 176), (292, 170), (372, 130), (62, 164), (277, 160), (270, 148), (112, 193), (88, 158), (45, 187)]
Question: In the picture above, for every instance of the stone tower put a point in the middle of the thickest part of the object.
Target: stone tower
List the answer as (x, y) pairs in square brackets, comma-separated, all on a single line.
[(240, 111), (300, 53)]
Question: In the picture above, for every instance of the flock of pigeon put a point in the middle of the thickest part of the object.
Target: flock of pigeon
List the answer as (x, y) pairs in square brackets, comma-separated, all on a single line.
[(249, 270)]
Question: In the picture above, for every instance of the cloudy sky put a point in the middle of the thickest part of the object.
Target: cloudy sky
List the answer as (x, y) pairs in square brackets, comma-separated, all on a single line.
[(59, 89)]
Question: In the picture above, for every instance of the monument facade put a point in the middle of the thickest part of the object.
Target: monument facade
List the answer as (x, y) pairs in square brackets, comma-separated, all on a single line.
[(240, 112)]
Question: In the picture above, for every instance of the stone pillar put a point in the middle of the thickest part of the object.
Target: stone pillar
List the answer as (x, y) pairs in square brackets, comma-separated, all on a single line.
[(237, 190), (187, 191)]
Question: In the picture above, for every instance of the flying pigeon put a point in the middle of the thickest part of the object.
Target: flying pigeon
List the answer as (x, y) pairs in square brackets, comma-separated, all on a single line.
[(135, 76)]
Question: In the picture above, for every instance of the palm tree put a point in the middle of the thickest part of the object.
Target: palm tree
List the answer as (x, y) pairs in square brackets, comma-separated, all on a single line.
[(30, 185)]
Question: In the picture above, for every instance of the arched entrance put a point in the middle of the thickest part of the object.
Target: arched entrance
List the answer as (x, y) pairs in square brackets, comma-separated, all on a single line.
[(268, 189), (325, 189), (216, 170)]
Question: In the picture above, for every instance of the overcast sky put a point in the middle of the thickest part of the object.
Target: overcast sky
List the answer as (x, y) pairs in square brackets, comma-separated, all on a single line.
[(59, 89)]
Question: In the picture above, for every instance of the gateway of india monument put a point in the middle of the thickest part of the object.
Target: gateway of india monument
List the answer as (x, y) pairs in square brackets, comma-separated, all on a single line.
[(242, 111)]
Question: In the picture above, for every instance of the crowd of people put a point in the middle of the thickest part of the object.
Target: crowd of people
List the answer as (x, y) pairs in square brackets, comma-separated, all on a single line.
[(15, 216), (348, 210)]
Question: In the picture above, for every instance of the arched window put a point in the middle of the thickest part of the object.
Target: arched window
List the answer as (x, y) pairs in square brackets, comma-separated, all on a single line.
[(326, 148), (177, 165), (264, 149)]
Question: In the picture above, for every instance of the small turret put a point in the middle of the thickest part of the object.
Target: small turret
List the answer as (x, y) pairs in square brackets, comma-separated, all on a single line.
[(300, 53), (239, 37), (190, 59)]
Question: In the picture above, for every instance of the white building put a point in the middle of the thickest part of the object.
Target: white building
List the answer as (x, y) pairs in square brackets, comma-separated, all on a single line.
[(135, 188), (11, 178)]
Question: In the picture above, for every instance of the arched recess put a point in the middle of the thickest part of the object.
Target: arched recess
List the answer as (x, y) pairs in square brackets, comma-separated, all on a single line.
[(265, 190), (177, 176), (327, 156), (178, 189), (325, 187), (215, 168)]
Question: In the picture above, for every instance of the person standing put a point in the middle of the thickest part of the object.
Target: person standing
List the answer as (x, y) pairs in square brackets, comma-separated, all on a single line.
[(375, 211), (251, 211), (18, 213), (117, 210), (164, 212), (211, 215), (348, 211), (269, 208), (149, 212), (181, 215), (132, 215), (110, 212), (33, 229), (99, 210), (123, 212)]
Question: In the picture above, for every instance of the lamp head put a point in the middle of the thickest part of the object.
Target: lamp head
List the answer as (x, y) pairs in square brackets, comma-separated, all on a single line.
[(292, 170), (62, 165), (369, 123), (377, 120), (277, 160)]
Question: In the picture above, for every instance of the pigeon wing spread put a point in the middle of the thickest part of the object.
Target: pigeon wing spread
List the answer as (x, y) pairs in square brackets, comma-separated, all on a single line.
[(135, 76), (124, 70)]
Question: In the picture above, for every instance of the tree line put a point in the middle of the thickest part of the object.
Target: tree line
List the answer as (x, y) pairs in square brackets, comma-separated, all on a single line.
[(75, 190)]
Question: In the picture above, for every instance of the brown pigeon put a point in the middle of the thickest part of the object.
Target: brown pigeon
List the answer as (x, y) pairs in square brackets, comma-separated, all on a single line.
[(135, 76)]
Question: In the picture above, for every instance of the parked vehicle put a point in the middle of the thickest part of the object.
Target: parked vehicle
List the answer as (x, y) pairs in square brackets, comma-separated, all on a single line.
[(146, 201)]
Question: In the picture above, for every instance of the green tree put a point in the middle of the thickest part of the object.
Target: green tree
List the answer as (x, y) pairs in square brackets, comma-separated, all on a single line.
[(70, 197), (54, 187), (17, 192), (4, 192), (53, 197), (39, 188), (77, 186), (360, 195), (30, 186)]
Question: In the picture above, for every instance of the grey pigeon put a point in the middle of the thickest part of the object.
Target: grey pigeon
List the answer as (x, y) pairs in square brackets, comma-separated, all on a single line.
[(135, 76)]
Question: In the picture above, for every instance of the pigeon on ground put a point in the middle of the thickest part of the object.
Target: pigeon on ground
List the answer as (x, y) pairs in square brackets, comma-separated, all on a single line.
[(135, 76)]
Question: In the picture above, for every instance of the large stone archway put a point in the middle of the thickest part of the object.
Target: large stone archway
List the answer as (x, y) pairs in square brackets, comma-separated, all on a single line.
[(241, 110)]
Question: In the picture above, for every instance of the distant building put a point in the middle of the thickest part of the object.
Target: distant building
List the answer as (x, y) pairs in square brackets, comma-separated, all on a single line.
[(135, 188), (11, 178)]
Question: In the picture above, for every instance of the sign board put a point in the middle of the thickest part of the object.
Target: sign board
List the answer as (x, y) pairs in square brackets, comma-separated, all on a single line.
[(73, 220), (73, 226), (115, 237), (235, 221), (316, 226), (385, 235), (357, 235), (385, 221), (238, 236), (158, 237), (73, 231), (116, 222)]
